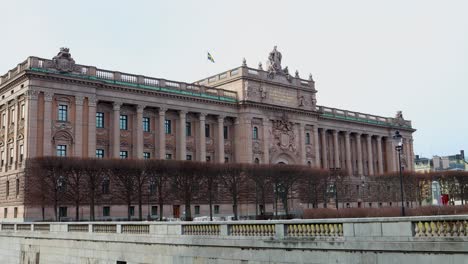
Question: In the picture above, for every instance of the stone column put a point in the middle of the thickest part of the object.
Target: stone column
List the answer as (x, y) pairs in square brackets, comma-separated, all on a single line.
[(116, 130), (15, 132), (201, 150), (266, 140), (30, 123), (302, 143), (394, 156), (379, 154), (359, 154), (410, 142), (336, 149), (220, 139), (79, 126), (162, 133), (48, 96), (370, 156), (92, 105), (316, 147), (349, 166), (243, 147), (138, 137), (324, 148), (181, 138)]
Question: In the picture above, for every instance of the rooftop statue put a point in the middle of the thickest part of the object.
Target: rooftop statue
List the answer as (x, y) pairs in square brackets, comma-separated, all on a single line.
[(274, 65), (63, 62)]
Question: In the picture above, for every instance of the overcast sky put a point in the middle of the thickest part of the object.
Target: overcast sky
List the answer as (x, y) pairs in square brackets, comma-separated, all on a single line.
[(369, 56)]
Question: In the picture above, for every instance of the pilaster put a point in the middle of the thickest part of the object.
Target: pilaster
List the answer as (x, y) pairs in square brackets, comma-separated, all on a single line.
[(78, 126), (116, 130), (220, 139), (47, 140), (181, 138)]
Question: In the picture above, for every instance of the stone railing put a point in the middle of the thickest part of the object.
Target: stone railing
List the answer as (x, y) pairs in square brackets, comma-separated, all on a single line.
[(118, 78), (413, 228), (253, 73), (442, 228), (360, 117)]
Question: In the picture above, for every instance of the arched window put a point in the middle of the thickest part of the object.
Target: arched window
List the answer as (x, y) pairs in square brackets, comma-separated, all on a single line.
[(255, 133), (309, 164), (257, 161), (307, 138)]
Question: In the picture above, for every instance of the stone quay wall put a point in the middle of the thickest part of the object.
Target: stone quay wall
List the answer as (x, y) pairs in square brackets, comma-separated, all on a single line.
[(437, 239)]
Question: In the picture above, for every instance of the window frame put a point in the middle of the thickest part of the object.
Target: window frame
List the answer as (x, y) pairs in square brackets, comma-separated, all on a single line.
[(61, 149), (146, 124), (98, 153), (188, 129), (146, 155), (167, 126), (62, 114), (100, 119), (255, 133), (123, 122), (207, 130), (123, 154)]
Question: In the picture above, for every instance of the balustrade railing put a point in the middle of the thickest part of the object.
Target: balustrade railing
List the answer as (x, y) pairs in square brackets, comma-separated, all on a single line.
[(204, 230), (458, 228), (252, 230), (105, 228), (135, 229), (78, 228), (314, 230)]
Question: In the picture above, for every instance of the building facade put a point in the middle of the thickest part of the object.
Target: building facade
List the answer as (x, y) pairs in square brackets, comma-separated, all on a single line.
[(246, 115)]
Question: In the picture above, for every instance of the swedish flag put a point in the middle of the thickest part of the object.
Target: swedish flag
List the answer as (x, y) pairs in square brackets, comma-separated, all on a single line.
[(210, 58)]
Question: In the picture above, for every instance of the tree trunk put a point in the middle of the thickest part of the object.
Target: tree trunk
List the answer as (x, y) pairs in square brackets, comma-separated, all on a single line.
[(129, 217), (91, 207), (188, 210), (211, 205), (140, 205), (77, 210)]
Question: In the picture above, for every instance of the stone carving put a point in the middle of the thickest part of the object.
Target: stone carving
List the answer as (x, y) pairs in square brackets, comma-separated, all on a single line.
[(64, 62), (32, 94), (399, 115), (260, 66), (399, 120), (301, 100), (102, 142), (256, 147), (274, 61), (283, 135), (274, 65)]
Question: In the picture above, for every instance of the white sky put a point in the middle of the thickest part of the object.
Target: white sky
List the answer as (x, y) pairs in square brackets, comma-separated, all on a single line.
[(370, 56)]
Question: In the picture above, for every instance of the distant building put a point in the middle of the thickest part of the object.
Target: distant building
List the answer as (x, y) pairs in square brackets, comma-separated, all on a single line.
[(441, 163)]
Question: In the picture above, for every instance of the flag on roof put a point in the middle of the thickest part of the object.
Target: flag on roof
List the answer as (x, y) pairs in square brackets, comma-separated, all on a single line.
[(210, 58)]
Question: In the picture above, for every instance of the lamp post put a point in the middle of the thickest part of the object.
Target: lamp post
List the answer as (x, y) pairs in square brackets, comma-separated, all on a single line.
[(398, 140)]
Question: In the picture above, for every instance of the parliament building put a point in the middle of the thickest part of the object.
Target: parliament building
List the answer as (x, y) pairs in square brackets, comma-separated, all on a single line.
[(245, 115)]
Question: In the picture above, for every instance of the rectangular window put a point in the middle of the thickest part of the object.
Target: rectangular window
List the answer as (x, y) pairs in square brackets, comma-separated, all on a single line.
[(99, 153), (225, 132), (21, 149), (63, 112), (11, 156), (106, 211), (132, 210), (255, 133), (61, 150), (17, 186), (216, 209), (146, 124), (307, 138), (5, 212), (207, 130), (15, 212), (124, 154), (208, 158), (3, 158), (168, 156), (63, 211), (154, 210), (146, 155), (99, 119), (188, 157), (12, 117), (123, 122), (22, 111), (167, 126), (7, 188), (3, 120), (188, 129), (226, 160), (197, 209)]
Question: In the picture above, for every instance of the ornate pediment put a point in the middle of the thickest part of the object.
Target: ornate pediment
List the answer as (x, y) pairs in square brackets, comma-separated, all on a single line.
[(284, 137)]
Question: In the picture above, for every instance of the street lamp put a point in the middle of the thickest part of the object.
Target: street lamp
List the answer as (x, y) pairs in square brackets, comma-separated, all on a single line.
[(398, 140)]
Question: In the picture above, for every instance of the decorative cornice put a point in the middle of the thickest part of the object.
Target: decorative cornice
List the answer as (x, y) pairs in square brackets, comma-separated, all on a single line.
[(79, 100)]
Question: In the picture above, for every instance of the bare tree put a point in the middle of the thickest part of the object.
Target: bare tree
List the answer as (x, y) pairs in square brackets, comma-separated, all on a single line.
[(232, 178)]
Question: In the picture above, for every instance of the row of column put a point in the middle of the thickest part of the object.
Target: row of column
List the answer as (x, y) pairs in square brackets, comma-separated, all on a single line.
[(321, 159), (161, 134)]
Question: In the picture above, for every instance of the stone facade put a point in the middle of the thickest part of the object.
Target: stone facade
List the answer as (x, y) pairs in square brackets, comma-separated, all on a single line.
[(57, 107)]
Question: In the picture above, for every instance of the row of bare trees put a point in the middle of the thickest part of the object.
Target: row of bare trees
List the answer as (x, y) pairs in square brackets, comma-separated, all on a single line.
[(55, 181)]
